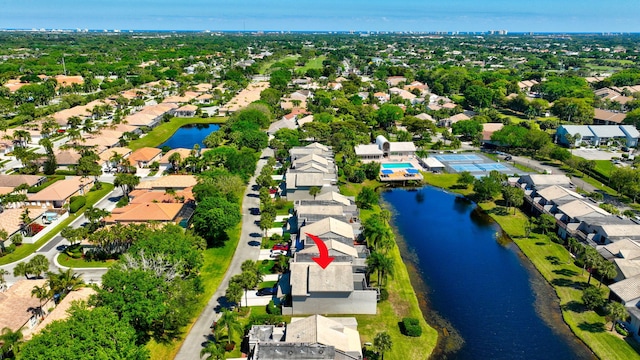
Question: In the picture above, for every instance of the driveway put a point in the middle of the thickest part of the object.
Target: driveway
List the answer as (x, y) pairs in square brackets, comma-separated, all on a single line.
[(248, 249)]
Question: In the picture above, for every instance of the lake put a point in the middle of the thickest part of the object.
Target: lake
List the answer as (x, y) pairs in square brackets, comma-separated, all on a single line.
[(473, 281), (189, 135)]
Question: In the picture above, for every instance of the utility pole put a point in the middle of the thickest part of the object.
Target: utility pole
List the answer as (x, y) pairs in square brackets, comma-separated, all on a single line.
[(64, 67)]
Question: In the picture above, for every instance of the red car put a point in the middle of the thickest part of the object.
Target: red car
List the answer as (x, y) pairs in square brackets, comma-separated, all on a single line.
[(284, 247)]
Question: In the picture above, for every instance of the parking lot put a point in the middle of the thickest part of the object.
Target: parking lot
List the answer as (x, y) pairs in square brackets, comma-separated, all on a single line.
[(595, 154)]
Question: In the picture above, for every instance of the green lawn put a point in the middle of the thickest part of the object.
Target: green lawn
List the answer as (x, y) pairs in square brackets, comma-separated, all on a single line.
[(286, 209), (162, 132), (315, 63), (65, 260), (604, 167), (402, 302), (267, 65), (216, 262), (25, 250)]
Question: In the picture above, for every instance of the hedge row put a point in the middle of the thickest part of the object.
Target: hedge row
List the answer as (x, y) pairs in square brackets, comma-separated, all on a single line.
[(77, 203)]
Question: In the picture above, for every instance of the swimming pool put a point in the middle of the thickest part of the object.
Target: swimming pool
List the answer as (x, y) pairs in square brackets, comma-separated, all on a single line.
[(397, 166)]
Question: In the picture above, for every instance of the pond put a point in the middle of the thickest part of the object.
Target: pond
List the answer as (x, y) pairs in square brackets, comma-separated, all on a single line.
[(473, 281), (189, 135)]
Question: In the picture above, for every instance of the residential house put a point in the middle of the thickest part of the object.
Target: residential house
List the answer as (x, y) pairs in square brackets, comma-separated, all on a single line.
[(607, 117), (106, 156), (143, 157), (396, 80), (333, 290), (453, 119), (381, 97), (281, 124), (315, 337), (425, 116), (17, 180), (625, 255), (186, 111), (612, 96), (57, 194), (67, 158), (61, 310), (304, 120), (328, 228), (175, 182), (164, 160), (21, 309), (146, 212), (487, 131), (299, 184), (204, 99), (313, 148), (526, 85), (628, 292), (598, 134)]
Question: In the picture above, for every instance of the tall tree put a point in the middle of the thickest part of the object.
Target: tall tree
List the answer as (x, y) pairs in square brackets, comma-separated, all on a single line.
[(616, 311), (607, 270), (383, 343), (229, 321), (11, 341), (127, 182)]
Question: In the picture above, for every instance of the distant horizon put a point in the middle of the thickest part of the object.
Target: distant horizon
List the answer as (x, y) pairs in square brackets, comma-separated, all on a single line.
[(345, 32), (539, 16)]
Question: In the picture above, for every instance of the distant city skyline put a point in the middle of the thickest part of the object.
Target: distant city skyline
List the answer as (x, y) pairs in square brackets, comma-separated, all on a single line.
[(324, 15)]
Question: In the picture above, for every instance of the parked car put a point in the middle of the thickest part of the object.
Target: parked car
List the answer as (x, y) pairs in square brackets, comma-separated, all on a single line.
[(508, 158), (276, 253), (284, 247), (267, 291)]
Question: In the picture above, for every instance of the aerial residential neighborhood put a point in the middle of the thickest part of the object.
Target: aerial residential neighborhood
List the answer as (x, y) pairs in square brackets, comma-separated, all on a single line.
[(349, 195)]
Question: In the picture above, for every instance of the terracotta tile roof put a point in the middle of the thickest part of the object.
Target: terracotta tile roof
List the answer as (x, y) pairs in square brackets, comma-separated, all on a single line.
[(64, 80), (15, 180), (60, 311), (61, 190), (182, 151), (11, 219), (171, 181), (107, 154), (144, 154), (143, 196), (18, 300), (67, 157), (145, 212)]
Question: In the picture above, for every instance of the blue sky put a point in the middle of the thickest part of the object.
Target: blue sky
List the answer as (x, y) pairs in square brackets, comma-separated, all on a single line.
[(295, 15)]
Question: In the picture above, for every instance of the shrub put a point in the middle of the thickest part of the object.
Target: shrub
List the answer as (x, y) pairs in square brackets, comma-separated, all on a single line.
[(384, 294), (620, 330), (280, 203), (65, 172), (122, 202), (411, 327), (273, 309), (77, 204), (17, 239), (286, 237)]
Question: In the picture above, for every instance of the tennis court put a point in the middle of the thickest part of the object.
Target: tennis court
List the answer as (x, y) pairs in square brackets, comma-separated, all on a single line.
[(465, 167), (458, 157), (491, 166)]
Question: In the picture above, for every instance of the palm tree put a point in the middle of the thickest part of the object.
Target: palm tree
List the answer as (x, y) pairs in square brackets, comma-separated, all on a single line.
[(64, 282), (382, 342), (591, 259), (215, 351), (385, 267), (3, 237), (22, 269), (3, 281), (38, 265), (10, 341), (314, 191), (608, 270), (229, 321), (174, 159), (22, 136), (252, 266), (616, 311), (42, 293)]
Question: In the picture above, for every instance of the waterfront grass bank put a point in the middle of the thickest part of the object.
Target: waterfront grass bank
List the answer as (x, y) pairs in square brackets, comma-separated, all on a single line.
[(164, 131), (402, 302), (556, 265)]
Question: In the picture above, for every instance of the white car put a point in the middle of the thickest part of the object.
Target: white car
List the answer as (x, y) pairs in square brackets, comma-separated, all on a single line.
[(276, 253)]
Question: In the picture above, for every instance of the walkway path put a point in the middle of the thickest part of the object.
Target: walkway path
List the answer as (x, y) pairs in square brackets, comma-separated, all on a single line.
[(248, 249)]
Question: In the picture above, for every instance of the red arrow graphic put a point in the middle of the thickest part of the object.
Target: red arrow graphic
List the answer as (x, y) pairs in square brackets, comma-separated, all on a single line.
[(324, 260)]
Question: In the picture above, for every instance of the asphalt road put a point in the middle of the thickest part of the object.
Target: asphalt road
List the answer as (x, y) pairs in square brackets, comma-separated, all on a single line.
[(50, 249), (248, 249)]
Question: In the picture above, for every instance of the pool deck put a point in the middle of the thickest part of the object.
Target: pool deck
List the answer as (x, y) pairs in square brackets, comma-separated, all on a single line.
[(400, 174)]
